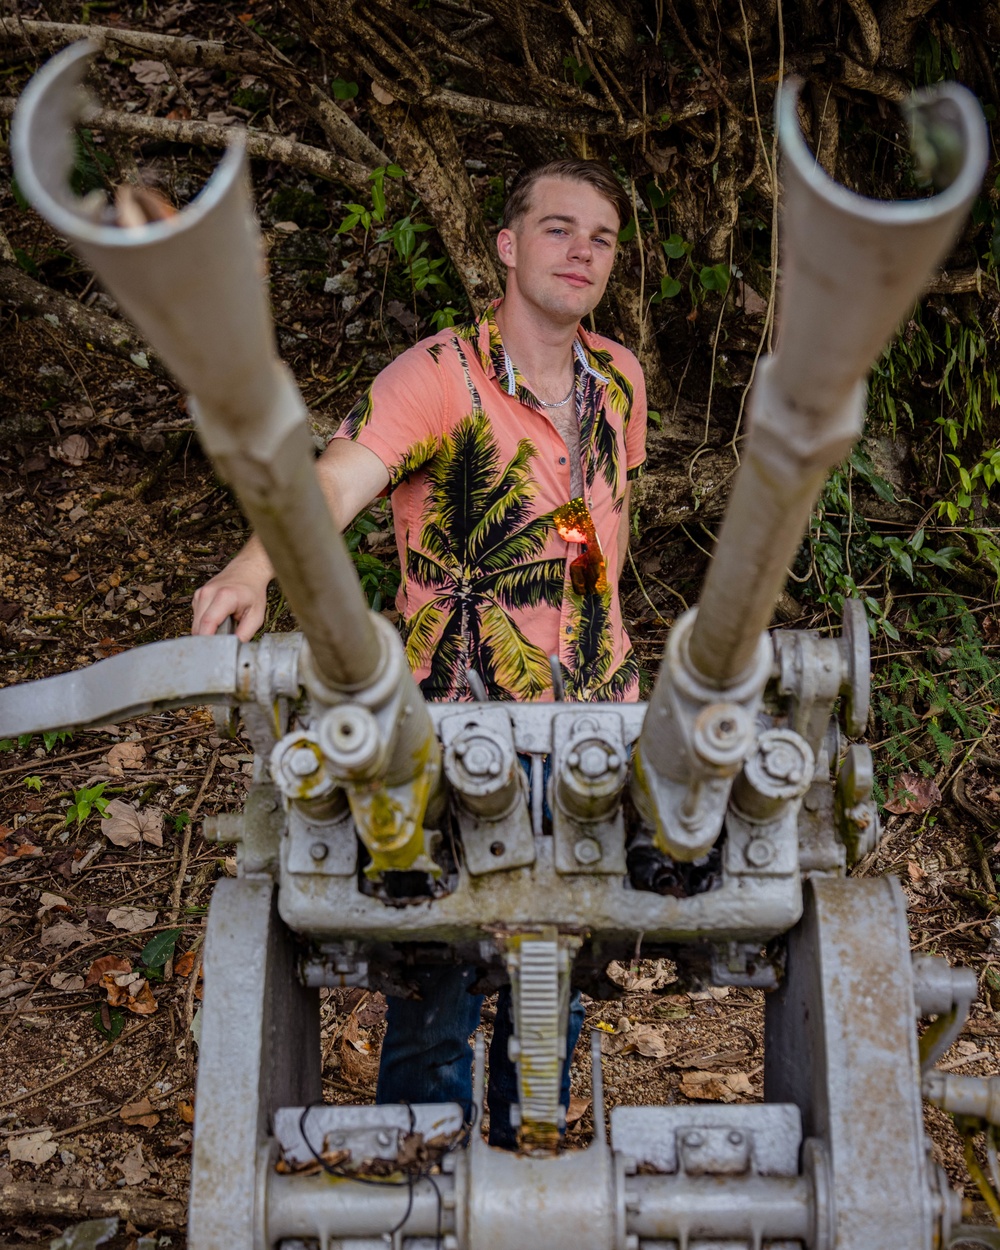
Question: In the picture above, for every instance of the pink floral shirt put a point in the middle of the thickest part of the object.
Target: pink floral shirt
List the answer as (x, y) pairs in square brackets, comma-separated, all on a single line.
[(476, 469)]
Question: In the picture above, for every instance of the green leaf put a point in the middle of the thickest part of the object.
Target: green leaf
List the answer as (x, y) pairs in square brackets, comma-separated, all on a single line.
[(117, 1017), (627, 233), (343, 90), (33, 783), (714, 277), (26, 263), (675, 247), (160, 948)]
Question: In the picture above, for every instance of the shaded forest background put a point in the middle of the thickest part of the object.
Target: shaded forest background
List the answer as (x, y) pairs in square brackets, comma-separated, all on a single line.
[(383, 137)]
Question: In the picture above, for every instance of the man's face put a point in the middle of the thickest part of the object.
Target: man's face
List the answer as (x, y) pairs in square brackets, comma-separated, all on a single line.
[(560, 252)]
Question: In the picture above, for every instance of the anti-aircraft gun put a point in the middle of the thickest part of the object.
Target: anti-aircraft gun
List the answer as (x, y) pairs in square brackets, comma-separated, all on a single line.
[(381, 831)]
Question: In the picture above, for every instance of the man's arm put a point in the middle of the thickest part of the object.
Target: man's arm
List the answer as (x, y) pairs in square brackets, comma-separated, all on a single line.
[(623, 528), (350, 476)]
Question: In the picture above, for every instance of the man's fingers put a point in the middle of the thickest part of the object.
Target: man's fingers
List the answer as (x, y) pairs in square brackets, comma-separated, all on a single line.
[(212, 606), (248, 624)]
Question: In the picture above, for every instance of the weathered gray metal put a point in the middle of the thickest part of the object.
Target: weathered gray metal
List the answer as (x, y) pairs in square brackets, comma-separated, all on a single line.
[(738, 738), (194, 285), (847, 1002), (851, 269), (161, 675)]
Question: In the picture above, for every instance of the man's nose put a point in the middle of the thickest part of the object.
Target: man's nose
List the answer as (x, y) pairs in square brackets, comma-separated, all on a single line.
[(581, 248)]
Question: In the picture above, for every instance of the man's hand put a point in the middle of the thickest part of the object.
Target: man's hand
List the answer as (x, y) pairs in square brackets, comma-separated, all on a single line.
[(240, 591), (350, 476)]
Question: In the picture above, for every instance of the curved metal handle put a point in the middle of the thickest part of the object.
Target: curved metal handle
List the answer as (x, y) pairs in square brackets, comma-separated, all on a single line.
[(155, 677)]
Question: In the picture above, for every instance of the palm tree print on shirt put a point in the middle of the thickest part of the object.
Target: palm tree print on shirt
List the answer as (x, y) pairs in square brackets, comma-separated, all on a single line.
[(586, 667), (479, 552)]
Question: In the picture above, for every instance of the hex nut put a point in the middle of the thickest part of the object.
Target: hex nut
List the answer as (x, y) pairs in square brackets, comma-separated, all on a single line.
[(587, 851), (759, 852)]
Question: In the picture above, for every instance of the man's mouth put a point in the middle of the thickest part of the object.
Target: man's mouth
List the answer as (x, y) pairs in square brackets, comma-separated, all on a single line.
[(575, 279)]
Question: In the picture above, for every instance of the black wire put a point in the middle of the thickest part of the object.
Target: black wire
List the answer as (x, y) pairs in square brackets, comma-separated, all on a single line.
[(413, 1178)]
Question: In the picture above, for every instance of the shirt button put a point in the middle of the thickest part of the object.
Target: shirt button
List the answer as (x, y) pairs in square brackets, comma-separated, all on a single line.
[(562, 459)]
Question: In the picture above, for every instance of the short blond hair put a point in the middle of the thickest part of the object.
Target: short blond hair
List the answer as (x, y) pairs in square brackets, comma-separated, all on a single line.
[(596, 174)]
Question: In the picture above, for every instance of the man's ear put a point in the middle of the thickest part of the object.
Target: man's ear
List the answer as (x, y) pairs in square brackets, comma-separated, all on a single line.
[(507, 247)]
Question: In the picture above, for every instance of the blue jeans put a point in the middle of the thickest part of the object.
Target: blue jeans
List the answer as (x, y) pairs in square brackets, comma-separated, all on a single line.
[(426, 1055)]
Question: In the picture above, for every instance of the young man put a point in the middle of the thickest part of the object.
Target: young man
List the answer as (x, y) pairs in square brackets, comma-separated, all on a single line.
[(508, 446)]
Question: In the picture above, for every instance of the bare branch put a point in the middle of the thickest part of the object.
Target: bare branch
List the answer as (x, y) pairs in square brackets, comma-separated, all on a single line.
[(537, 117), (871, 36), (259, 143), (959, 282), (52, 1200), (878, 81), (86, 326), (210, 54)]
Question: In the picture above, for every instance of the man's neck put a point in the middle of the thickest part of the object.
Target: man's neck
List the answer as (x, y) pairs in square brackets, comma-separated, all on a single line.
[(541, 349)]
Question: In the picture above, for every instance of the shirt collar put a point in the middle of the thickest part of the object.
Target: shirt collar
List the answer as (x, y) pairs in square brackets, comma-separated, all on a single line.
[(498, 364)]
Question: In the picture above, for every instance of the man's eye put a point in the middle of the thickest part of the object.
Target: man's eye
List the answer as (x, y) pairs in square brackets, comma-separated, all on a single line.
[(602, 241)]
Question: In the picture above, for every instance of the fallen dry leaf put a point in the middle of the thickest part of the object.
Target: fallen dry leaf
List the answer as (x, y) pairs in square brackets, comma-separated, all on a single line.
[(649, 1043), (143, 1003), (577, 1106), (106, 963), (125, 825), (149, 73), (183, 964), (125, 755), (72, 450), (715, 1086), (33, 1148), (133, 1167), (140, 1114), (68, 982), (63, 934), (185, 1110), (51, 902), (358, 1065), (17, 847), (911, 793), (131, 919)]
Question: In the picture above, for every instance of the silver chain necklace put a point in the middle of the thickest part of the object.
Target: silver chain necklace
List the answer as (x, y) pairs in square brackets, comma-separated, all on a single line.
[(560, 403), (511, 369)]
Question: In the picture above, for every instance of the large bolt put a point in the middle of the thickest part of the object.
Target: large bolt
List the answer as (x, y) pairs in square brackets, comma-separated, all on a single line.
[(302, 762), (722, 735), (593, 761), (297, 767), (479, 758), (782, 761), (319, 851)]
